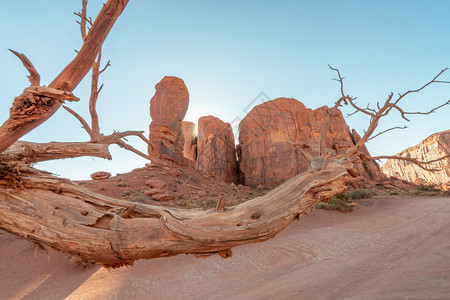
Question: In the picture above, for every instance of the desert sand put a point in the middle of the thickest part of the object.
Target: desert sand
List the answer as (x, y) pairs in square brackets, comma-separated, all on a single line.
[(389, 248)]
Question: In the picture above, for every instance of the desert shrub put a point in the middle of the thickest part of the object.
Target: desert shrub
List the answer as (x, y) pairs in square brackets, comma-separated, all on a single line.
[(210, 203), (429, 188), (79, 264), (139, 197), (338, 202), (128, 192), (359, 194), (122, 184)]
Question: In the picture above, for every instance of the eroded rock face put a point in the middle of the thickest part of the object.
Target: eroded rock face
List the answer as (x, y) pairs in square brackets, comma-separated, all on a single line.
[(433, 147), (266, 157), (216, 154), (190, 141), (167, 109)]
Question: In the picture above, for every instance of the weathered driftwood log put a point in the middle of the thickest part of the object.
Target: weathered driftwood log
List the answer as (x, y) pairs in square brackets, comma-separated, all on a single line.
[(59, 214)]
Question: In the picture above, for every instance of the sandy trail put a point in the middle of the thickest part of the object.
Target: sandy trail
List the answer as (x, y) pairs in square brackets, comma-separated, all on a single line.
[(390, 248)]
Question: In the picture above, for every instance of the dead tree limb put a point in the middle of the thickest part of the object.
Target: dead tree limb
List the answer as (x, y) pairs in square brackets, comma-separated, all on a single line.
[(422, 164), (94, 130), (34, 76), (78, 221), (36, 152)]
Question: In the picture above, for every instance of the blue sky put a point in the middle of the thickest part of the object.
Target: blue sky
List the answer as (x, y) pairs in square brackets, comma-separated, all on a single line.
[(228, 52)]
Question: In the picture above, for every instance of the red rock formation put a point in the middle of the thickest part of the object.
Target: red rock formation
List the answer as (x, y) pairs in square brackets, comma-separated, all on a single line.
[(433, 147), (167, 109), (266, 156), (216, 154), (100, 175), (190, 141)]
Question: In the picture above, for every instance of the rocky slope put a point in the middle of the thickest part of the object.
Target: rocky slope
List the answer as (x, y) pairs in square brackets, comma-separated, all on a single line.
[(433, 147)]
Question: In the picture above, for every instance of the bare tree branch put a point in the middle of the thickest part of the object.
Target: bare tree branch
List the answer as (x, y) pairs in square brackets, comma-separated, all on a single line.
[(83, 19), (34, 76), (429, 112), (79, 118), (384, 131), (401, 96), (422, 164)]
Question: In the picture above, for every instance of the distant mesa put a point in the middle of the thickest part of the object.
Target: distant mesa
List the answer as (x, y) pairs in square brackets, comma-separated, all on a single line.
[(433, 147)]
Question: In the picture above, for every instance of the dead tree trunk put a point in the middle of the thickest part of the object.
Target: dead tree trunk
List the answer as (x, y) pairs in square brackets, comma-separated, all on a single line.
[(56, 213)]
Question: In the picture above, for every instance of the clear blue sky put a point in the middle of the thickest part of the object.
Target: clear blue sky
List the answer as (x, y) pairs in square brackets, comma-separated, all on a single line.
[(227, 52)]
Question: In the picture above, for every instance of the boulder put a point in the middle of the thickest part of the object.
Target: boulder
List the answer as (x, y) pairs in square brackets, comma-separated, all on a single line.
[(216, 153), (267, 156), (155, 183), (100, 175), (163, 197), (153, 191), (167, 110), (435, 146), (190, 141)]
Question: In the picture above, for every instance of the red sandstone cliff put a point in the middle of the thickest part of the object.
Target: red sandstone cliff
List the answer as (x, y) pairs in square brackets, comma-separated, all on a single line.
[(433, 147)]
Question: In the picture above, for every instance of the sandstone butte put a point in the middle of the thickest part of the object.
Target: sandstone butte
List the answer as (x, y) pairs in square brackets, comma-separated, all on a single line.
[(433, 147), (266, 157), (167, 110), (216, 152)]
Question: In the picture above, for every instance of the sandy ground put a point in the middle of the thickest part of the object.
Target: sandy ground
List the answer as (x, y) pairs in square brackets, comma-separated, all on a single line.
[(389, 248)]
